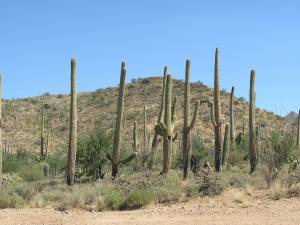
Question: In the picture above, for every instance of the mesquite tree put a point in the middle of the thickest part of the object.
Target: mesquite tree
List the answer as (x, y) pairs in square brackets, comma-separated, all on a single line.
[(187, 124)]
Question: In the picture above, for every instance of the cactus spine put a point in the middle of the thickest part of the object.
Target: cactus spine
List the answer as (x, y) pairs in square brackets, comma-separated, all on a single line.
[(298, 131), (73, 128), (187, 124), (217, 115), (156, 140), (0, 131), (166, 128), (252, 125), (115, 159), (232, 122), (226, 147)]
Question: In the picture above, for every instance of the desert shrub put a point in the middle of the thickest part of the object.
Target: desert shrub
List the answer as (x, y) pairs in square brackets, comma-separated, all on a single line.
[(13, 163), (57, 163), (277, 149), (210, 184), (138, 198), (91, 155), (113, 199), (9, 200), (237, 181), (32, 173)]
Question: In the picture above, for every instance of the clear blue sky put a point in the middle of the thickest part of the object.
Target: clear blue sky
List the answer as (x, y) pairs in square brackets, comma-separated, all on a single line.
[(38, 38)]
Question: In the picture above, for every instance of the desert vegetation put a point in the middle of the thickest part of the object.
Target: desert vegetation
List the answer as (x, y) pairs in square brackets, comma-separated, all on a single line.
[(147, 148)]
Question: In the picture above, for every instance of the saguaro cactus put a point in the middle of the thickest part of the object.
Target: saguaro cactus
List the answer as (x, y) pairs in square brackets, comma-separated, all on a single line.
[(187, 124), (42, 153), (156, 139), (73, 128), (226, 147), (145, 149), (135, 144), (232, 122), (0, 131), (217, 115), (298, 131), (166, 128), (115, 159), (252, 124)]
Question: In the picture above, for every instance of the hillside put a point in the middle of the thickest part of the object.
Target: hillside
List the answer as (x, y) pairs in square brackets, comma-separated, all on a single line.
[(21, 117)]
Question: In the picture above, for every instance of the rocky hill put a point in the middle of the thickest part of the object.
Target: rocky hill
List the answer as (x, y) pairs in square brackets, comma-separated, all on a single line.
[(21, 117)]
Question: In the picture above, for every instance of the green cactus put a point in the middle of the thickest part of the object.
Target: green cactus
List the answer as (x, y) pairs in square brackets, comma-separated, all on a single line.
[(226, 147), (232, 122), (252, 125), (0, 131), (135, 145), (166, 128), (42, 152), (145, 148), (298, 131), (187, 124), (71, 165), (215, 113), (156, 140), (115, 159)]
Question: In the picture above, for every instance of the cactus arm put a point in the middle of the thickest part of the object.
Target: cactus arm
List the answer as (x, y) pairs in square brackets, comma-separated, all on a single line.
[(129, 158), (173, 117)]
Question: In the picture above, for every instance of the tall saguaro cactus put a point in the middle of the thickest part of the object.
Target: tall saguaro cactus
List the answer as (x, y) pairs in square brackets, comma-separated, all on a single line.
[(0, 131), (166, 128), (145, 149), (298, 131), (42, 152), (73, 128), (115, 159), (217, 115), (252, 125), (156, 139), (187, 124), (232, 122)]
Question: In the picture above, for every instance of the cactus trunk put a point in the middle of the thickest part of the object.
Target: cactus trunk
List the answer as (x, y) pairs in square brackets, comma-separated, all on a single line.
[(298, 131), (252, 125), (73, 128), (187, 125), (120, 111), (217, 115), (232, 122), (226, 147), (42, 152), (156, 139), (0, 131)]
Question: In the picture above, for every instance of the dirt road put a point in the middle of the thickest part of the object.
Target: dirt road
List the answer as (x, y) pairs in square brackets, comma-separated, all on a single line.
[(231, 208)]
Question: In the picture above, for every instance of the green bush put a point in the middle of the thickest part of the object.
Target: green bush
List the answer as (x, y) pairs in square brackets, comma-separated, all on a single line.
[(8, 200), (91, 154), (32, 173), (113, 199), (137, 199)]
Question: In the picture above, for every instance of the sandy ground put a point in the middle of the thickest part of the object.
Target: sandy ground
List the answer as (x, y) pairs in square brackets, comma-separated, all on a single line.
[(232, 208)]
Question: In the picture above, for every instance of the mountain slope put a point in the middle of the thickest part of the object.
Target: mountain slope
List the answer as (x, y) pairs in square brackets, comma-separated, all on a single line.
[(21, 117)]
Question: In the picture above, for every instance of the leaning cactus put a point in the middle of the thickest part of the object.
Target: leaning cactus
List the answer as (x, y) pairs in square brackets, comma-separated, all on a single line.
[(226, 146), (252, 125), (232, 122), (187, 124), (115, 159), (0, 131), (156, 140), (298, 131), (166, 128), (73, 128)]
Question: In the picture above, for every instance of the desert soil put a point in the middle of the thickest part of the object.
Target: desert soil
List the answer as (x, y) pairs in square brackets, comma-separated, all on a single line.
[(231, 208)]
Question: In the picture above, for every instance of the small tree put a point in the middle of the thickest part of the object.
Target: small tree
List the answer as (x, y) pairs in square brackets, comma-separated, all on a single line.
[(91, 154)]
